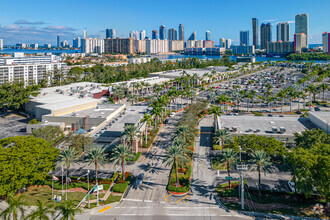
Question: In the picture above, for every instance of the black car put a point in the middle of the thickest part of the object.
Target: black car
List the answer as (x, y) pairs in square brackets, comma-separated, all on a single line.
[(317, 109), (270, 115)]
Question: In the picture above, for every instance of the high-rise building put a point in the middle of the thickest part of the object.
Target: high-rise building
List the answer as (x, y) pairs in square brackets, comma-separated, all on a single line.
[(172, 34), (181, 32), (193, 36), (326, 42), (134, 35), (228, 43), (140, 46), (208, 35), (243, 49), (92, 45), (283, 31), (162, 32), (85, 34), (302, 26), (48, 46), (156, 46), (279, 47), (154, 35), (76, 43), (266, 34), (110, 33), (1, 44), (299, 42), (175, 45), (208, 44), (255, 35), (142, 35), (119, 45), (244, 38), (64, 43), (222, 42), (58, 41), (34, 46)]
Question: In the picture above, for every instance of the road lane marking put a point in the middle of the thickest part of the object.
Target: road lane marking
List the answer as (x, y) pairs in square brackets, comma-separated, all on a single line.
[(104, 209), (151, 192), (181, 199)]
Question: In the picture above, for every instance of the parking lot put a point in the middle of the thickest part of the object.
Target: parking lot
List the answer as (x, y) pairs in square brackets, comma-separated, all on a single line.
[(12, 125)]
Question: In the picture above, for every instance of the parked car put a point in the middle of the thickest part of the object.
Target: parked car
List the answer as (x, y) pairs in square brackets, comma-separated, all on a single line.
[(317, 109), (172, 114)]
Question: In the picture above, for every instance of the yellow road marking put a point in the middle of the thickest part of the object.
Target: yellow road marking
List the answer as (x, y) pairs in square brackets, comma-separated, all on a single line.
[(151, 192), (104, 209), (165, 196), (182, 199), (203, 164), (186, 200)]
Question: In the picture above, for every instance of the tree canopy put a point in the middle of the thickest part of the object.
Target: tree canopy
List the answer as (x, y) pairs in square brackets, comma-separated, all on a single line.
[(310, 163), (52, 134), (24, 161), (15, 95)]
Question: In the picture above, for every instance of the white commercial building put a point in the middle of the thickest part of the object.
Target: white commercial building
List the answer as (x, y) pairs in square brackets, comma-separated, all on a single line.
[(92, 45), (20, 58), (140, 60), (321, 120), (1, 44), (195, 44), (156, 46), (228, 43)]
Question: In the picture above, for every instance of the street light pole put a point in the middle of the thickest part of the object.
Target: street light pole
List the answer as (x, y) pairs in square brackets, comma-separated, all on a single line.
[(66, 185)]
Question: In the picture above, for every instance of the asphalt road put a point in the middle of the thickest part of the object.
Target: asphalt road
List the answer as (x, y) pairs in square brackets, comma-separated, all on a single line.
[(150, 200)]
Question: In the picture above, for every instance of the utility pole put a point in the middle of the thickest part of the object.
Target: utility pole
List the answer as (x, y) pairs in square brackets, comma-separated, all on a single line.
[(242, 169)]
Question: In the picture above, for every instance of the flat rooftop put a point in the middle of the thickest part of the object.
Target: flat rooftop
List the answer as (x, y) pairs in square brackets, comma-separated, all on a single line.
[(151, 80), (59, 101), (133, 115), (100, 111), (325, 116), (265, 124)]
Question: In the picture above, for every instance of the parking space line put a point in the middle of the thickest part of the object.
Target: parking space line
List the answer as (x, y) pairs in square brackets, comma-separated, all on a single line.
[(182, 199)]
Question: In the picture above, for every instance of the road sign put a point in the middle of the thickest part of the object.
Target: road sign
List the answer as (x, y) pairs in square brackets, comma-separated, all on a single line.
[(228, 178), (100, 187)]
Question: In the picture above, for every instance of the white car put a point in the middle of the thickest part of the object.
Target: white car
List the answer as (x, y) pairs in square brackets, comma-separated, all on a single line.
[(291, 186), (172, 114)]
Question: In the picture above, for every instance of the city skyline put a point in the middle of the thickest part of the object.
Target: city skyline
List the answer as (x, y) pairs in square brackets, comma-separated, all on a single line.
[(19, 26)]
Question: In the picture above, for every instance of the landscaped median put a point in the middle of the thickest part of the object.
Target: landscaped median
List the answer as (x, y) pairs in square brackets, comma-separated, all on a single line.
[(122, 184), (183, 147)]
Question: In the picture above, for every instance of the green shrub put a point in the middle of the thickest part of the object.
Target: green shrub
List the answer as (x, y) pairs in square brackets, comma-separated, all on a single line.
[(217, 147), (258, 114), (34, 121), (120, 187), (137, 156)]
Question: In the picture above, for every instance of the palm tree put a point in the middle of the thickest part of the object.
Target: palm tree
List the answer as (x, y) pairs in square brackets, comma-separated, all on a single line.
[(132, 133), (67, 210), (97, 156), (42, 212), (147, 118), (252, 95), (120, 154), (312, 89), (175, 155), (262, 161), (323, 87), (223, 99), (67, 157), (228, 157), (282, 95), (15, 210), (220, 136), (185, 132), (216, 111)]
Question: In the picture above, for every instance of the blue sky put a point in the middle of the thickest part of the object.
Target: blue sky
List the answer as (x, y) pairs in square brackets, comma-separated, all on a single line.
[(40, 21)]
